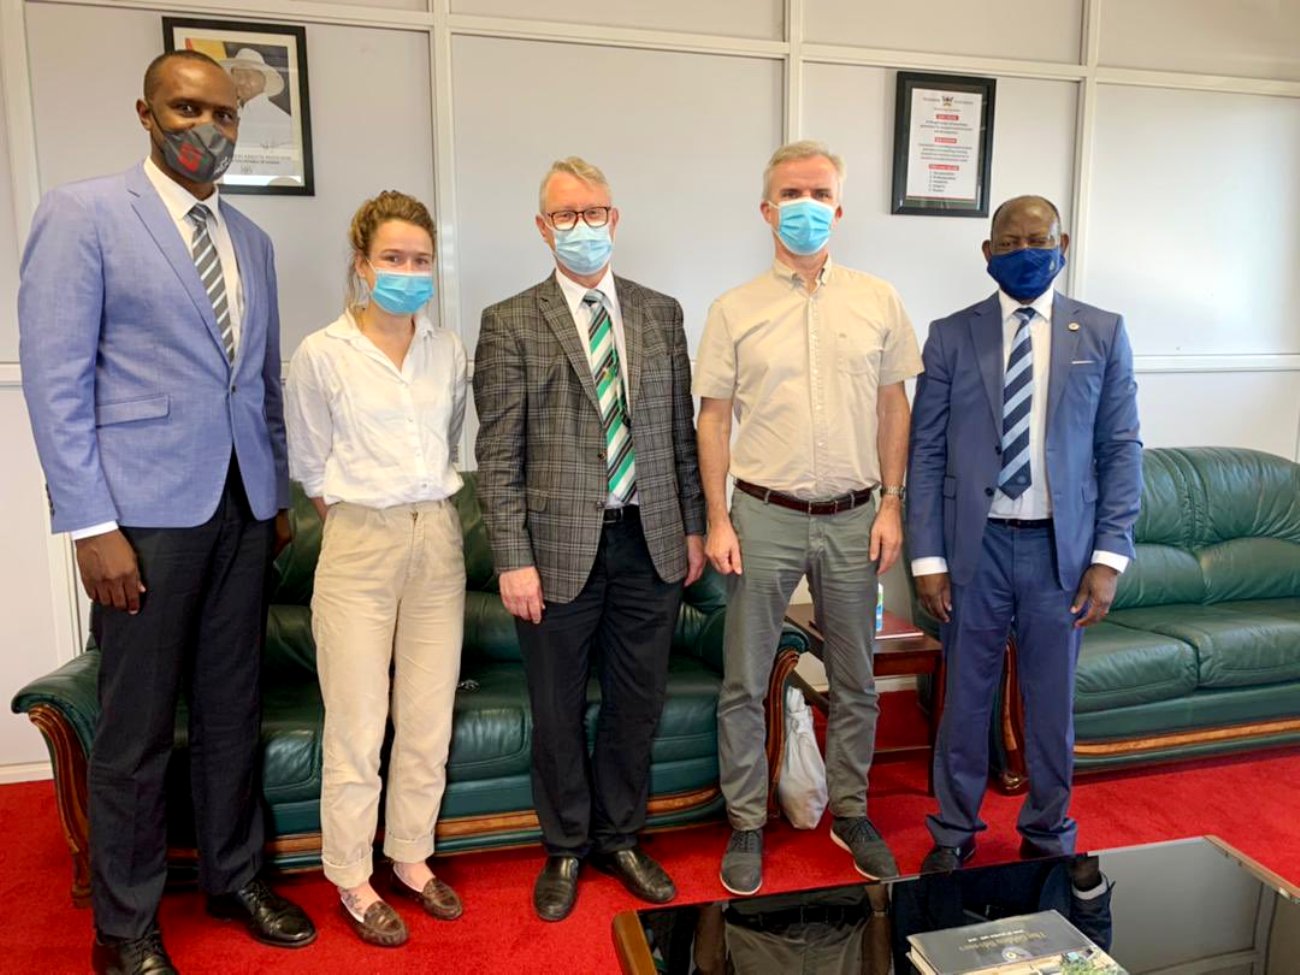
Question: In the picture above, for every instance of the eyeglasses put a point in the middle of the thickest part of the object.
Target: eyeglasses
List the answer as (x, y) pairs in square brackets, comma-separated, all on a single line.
[(568, 219)]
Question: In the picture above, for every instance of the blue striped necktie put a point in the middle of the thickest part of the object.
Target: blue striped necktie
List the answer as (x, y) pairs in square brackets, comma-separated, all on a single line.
[(1017, 404)]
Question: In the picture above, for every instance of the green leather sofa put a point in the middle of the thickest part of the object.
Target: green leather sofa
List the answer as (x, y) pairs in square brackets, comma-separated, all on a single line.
[(1200, 654), (488, 802)]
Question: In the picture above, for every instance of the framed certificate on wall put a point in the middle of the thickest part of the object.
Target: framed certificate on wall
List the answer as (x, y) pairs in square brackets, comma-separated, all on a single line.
[(268, 63), (943, 144)]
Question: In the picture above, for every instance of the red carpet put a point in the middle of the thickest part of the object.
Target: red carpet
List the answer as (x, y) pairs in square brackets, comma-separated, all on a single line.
[(1249, 802)]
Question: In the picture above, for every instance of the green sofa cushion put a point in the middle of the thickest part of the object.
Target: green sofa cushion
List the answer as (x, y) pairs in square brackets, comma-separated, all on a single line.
[(1165, 517), (1246, 494), (1284, 608), (290, 651), (1158, 576), (492, 731), (1235, 647), (1207, 708), (1119, 667), (1251, 568)]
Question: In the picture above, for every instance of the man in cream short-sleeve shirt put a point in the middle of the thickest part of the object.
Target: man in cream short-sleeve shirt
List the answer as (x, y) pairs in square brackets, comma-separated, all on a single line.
[(810, 358)]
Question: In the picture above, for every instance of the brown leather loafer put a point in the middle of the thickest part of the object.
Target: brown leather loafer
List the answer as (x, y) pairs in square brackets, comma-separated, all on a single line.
[(437, 898), (380, 926)]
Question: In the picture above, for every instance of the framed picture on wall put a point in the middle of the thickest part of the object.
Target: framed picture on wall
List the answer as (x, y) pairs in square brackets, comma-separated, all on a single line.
[(269, 65), (943, 144)]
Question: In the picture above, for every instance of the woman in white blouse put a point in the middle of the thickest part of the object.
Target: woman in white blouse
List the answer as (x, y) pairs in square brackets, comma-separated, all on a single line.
[(374, 406)]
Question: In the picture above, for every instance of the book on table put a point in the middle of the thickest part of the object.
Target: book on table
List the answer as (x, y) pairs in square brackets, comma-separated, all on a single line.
[(1028, 944)]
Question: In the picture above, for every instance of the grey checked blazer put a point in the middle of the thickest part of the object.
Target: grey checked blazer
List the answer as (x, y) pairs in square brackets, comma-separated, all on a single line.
[(541, 446)]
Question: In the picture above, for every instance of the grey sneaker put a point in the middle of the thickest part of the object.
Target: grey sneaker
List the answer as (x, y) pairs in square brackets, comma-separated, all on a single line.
[(742, 864), (871, 854)]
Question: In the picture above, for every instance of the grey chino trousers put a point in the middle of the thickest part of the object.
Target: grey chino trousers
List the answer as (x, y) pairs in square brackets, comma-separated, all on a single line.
[(777, 548)]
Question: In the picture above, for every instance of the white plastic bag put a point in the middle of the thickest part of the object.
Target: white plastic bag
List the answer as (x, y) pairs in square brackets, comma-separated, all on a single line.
[(801, 789)]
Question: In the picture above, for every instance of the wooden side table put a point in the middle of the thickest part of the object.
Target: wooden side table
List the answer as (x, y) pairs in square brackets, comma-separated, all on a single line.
[(901, 650)]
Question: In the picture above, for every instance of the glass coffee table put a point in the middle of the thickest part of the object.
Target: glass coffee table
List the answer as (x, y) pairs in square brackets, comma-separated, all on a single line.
[(1185, 907)]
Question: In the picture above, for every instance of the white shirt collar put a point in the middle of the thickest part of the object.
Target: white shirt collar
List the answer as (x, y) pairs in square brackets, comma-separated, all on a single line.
[(575, 292), (1042, 304), (345, 327), (176, 198)]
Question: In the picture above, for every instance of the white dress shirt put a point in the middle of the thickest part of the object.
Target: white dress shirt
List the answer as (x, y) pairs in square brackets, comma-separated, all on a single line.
[(1036, 500), (178, 201), (573, 295), (364, 431)]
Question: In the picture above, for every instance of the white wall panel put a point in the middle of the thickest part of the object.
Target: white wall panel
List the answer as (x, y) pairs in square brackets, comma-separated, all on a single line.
[(1029, 30), (371, 130), (935, 262), (1221, 409), (1194, 233), (27, 609), (1254, 38), (9, 250), (738, 18), (683, 139)]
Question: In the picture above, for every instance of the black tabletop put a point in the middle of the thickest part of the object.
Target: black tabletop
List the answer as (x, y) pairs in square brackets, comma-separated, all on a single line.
[(1192, 905)]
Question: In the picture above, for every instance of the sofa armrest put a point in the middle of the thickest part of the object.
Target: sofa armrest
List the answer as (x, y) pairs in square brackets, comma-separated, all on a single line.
[(72, 691), (64, 706)]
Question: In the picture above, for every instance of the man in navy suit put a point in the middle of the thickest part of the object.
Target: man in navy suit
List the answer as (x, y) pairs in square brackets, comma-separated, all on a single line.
[(1024, 477), (150, 350)]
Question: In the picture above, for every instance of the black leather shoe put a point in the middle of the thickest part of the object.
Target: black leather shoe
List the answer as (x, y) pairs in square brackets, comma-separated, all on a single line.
[(556, 889), (946, 859), (270, 918), (638, 873), (131, 956)]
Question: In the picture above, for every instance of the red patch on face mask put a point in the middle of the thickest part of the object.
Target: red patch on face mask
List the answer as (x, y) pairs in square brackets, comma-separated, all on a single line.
[(190, 157)]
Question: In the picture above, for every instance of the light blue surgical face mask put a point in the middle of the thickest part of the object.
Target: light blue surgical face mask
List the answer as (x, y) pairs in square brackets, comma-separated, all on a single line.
[(583, 250), (400, 293), (805, 225)]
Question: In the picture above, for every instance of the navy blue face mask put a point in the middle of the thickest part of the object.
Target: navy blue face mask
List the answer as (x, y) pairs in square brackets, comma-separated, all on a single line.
[(1027, 273)]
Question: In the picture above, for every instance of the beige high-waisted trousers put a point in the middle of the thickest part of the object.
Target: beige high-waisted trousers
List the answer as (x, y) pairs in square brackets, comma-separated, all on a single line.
[(389, 591)]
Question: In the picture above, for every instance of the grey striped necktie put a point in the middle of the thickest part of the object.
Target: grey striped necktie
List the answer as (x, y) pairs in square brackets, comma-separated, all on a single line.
[(1017, 405), (208, 263)]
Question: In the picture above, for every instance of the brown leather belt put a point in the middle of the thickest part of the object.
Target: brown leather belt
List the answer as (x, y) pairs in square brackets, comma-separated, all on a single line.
[(831, 506)]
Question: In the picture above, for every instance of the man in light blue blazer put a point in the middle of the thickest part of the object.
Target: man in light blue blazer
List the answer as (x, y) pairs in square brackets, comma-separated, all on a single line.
[(1024, 476), (150, 349)]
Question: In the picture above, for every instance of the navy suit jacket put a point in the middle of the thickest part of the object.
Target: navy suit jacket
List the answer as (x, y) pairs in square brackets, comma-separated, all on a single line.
[(133, 403), (1094, 455)]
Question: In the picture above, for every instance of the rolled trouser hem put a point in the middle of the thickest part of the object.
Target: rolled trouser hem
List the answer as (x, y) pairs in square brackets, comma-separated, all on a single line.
[(348, 875), (408, 851)]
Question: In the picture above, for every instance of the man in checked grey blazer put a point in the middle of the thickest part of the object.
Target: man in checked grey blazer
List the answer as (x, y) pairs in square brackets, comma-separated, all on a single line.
[(591, 496)]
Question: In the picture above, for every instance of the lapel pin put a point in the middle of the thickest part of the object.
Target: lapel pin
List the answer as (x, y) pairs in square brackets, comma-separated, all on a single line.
[(1073, 326)]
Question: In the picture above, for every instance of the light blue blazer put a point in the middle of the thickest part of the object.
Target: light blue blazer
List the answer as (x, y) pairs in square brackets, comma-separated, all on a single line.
[(1094, 454), (132, 401)]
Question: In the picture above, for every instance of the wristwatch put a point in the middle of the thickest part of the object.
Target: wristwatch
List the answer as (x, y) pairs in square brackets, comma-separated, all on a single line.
[(892, 491)]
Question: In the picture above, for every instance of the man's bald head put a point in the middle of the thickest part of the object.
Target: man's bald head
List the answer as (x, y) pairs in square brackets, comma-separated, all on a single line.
[(1017, 204), (1025, 221), (153, 74)]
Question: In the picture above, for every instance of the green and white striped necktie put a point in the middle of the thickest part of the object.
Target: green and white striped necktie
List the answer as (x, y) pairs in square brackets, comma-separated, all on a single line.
[(620, 457)]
